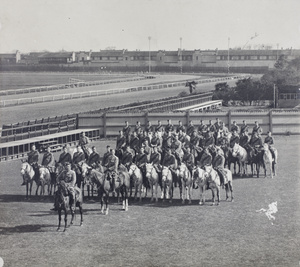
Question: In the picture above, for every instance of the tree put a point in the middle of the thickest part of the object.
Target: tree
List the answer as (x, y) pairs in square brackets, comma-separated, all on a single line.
[(224, 92)]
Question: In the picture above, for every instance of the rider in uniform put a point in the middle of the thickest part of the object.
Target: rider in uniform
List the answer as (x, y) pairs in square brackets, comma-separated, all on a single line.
[(169, 161), (140, 161), (257, 129), (256, 142), (33, 158), (159, 128), (149, 127), (235, 127), (106, 156), (48, 160), (189, 159), (234, 139), (244, 127), (176, 148), (127, 158), (135, 142), (209, 141), (270, 141), (121, 144), (83, 142), (112, 169), (70, 180), (94, 158), (65, 156), (206, 158), (180, 127), (190, 129), (78, 156), (202, 128), (138, 127), (169, 127), (155, 159), (126, 132), (218, 164)]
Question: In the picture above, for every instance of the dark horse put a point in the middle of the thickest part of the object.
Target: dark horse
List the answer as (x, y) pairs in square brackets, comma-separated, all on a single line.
[(62, 202), (229, 159), (191, 85), (122, 183)]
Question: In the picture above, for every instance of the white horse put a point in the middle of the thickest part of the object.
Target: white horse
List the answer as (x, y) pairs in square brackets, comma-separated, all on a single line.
[(153, 179), (268, 161), (186, 181), (242, 155), (44, 179), (28, 174)]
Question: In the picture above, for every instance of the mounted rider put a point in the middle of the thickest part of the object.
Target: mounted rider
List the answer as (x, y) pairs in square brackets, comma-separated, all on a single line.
[(65, 156), (140, 161), (169, 127), (256, 142), (218, 164), (206, 158), (202, 128), (94, 158), (112, 169), (126, 132), (176, 148), (121, 144), (127, 157), (169, 161), (33, 158), (78, 159), (190, 129), (189, 159), (244, 127), (134, 142), (70, 179), (155, 159), (48, 160), (149, 127), (180, 127), (159, 128), (209, 141), (106, 156), (234, 139), (83, 142), (270, 141), (257, 129), (156, 141)]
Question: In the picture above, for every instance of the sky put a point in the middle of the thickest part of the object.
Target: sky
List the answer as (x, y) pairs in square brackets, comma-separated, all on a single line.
[(83, 25)]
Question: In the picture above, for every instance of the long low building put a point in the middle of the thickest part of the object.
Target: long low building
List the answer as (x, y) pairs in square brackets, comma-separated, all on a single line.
[(162, 60)]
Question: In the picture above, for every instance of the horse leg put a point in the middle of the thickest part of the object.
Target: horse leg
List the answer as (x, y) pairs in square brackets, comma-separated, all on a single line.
[(274, 168), (66, 214), (171, 191), (189, 193), (213, 197), (231, 190), (218, 194), (30, 188), (226, 190), (140, 191), (156, 189), (201, 198), (81, 215), (37, 188), (163, 191), (106, 203), (26, 191), (59, 219)]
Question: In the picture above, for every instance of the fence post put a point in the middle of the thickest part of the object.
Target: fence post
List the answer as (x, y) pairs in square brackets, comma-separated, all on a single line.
[(77, 121), (187, 118), (271, 121), (104, 125), (229, 119)]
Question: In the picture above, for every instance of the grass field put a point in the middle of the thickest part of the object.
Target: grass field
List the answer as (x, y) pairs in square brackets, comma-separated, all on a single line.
[(15, 80), (162, 234)]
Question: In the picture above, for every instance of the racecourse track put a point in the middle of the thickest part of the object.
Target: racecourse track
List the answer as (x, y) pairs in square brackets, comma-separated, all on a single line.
[(27, 112), (160, 234)]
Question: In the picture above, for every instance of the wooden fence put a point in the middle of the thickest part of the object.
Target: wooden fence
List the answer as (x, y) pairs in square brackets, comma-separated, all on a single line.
[(277, 121)]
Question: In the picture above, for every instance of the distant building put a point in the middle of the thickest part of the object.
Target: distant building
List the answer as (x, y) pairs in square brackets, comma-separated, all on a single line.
[(12, 58), (57, 58), (289, 96)]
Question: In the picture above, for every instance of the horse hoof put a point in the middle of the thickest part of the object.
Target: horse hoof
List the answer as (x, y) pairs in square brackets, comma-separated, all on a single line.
[(232, 200), (170, 201), (81, 224), (126, 209), (65, 229)]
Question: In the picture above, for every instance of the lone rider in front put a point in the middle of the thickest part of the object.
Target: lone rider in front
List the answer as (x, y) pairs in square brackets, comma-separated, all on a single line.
[(112, 169), (70, 180)]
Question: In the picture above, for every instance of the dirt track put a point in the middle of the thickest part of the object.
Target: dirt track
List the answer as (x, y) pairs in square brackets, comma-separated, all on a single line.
[(233, 234)]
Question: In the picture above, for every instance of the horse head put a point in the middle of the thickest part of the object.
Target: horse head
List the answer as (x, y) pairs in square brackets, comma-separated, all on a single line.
[(85, 170), (24, 168), (182, 170), (198, 175), (62, 188), (132, 169), (235, 150)]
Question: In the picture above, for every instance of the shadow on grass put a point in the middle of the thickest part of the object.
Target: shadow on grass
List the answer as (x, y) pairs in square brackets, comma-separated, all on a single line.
[(22, 198), (32, 228)]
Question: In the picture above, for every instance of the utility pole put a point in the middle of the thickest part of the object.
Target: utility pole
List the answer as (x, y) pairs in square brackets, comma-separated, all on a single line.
[(149, 38), (228, 56), (181, 55)]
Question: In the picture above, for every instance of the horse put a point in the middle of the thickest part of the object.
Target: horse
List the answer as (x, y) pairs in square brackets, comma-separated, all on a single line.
[(228, 183), (153, 179), (44, 179), (191, 85), (214, 183), (28, 174), (201, 180), (167, 184), (88, 182), (268, 161), (137, 177), (62, 202), (256, 158), (103, 186), (186, 182), (229, 159), (242, 155)]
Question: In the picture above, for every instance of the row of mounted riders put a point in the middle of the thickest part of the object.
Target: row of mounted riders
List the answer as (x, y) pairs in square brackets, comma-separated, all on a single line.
[(181, 162)]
